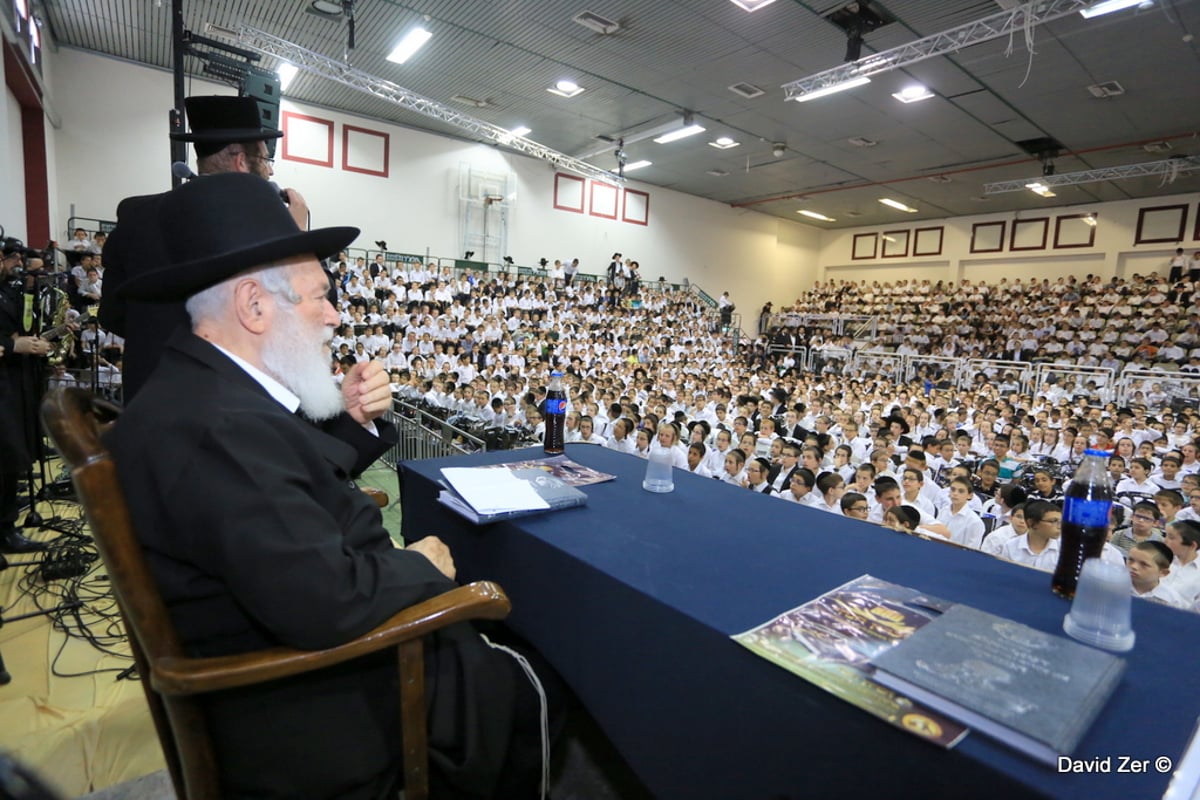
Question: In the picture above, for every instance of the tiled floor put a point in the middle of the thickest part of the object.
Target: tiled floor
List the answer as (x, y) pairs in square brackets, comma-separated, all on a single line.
[(586, 768)]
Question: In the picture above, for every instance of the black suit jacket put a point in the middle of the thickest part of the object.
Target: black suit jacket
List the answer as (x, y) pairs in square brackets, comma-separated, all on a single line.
[(257, 537), (19, 389)]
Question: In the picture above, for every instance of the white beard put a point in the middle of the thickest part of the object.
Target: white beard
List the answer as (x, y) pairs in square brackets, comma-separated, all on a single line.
[(299, 359)]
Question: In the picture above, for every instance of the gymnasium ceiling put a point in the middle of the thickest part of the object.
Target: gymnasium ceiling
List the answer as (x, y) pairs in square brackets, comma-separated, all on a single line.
[(674, 55)]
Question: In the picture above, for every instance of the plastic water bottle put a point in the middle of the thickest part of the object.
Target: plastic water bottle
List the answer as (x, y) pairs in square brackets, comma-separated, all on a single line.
[(556, 415), (658, 470), (1088, 499)]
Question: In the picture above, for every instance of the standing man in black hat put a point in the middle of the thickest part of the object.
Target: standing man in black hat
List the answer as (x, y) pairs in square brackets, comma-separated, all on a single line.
[(292, 554), (229, 138), (19, 395)]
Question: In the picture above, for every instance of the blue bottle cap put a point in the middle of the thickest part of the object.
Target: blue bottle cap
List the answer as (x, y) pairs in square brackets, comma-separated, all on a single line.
[(1091, 451)]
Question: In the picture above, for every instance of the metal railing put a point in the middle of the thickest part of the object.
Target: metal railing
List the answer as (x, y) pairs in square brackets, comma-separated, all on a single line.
[(939, 367), (856, 326), (423, 435), (997, 368), (1180, 388), (1074, 379), (889, 365)]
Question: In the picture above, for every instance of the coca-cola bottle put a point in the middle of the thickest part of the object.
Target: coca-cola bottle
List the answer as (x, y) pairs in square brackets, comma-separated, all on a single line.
[(556, 415), (1088, 499)]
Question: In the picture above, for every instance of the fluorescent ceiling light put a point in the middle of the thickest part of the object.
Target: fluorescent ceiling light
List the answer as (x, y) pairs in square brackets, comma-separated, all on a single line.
[(752, 5), (724, 143), (1039, 188), (520, 130), (1108, 7), (676, 135), (286, 73), (565, 88), (815, 215), (837, 87), (896, 204), (329, 8), (913, 94), (637, 165), (410, 44)]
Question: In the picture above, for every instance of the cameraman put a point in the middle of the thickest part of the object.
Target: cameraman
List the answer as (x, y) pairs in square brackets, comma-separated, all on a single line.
[(19, 392)]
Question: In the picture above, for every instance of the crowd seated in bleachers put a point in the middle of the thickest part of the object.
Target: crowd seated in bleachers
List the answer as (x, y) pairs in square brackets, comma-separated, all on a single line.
[(1142, 322), (648, 363)]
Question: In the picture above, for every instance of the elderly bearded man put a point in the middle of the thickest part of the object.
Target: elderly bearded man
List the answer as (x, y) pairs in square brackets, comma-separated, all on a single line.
[(257, 537)]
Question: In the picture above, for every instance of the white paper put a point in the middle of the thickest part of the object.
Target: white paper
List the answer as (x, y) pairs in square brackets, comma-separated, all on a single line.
[(493, 491)]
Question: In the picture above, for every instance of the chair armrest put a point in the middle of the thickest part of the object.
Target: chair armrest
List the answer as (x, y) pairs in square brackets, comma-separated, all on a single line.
[(378, 495), (189, 676)]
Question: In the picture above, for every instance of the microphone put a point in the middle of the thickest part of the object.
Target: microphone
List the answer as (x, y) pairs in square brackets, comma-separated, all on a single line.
[(282, 194)]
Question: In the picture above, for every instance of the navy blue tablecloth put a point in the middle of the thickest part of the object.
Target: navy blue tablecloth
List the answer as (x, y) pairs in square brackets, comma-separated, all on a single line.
[(633, 599)]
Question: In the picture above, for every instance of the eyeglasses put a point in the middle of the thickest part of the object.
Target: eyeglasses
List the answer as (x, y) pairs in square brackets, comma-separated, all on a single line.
[(264, 159), (1145, 518), (859, 508)]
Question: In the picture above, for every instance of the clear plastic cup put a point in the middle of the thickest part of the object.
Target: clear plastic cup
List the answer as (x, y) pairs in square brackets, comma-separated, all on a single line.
[(1100, 614), (658, 471)]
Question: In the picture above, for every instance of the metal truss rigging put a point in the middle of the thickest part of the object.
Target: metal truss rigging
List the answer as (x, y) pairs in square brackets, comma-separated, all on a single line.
[(939, 44), (1168, 168), (357, 79)]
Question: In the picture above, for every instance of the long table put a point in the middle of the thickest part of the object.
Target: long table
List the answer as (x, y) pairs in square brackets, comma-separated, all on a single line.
[(633, 599)]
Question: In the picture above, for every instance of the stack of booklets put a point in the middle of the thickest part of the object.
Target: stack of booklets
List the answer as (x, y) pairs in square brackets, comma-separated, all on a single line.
[(937, 669), (1035, 692), (518, 489)]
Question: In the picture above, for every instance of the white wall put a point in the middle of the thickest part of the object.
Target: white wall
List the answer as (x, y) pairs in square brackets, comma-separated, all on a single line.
[(12, 199), (1113, 251), (113, 144)]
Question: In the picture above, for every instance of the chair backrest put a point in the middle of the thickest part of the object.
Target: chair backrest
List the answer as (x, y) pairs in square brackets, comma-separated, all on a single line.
[(75, 420)]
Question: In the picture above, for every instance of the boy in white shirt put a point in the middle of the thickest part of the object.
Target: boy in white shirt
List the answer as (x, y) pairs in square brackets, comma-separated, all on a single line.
[(966, 528), (1038, 547), (1150, 562), (1183, 539)]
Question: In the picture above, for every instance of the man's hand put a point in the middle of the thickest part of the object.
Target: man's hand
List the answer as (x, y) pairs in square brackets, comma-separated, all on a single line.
[(297, 208), (31, 346), (438, 554), (366, 391)]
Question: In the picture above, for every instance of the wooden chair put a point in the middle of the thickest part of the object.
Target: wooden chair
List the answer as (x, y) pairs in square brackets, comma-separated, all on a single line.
[(173, 682)]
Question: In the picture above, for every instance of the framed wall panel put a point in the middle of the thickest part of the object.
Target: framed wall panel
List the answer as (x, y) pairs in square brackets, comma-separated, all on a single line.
[(1073, 230), (895, 244), (1160, 224), (928, 241), (1029, 234), (865, 246), (602, 199), (306, 139), (365, 151), (988, 237), (568, 192), (635, 207)]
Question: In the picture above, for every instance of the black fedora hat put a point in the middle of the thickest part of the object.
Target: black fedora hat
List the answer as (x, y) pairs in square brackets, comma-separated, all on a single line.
[(224, 119), (217, 226)]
